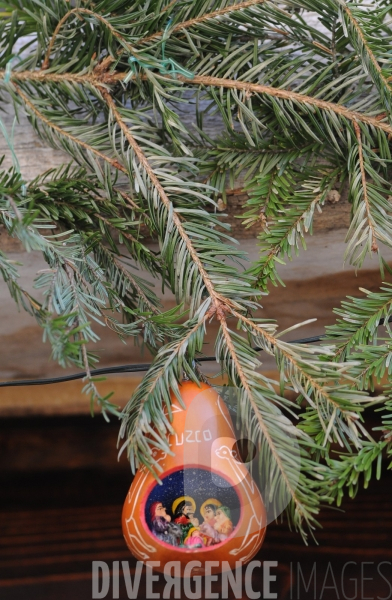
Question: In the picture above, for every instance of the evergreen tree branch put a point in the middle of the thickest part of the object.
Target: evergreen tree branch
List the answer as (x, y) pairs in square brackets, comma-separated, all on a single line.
[(59, 294), (114, 163), (22, 298), (94, 79), (374, 246), (329, 402), (266, 269), (287, 472), (359, 40), (145, 407), (202, 19), (365, 44), (261, 424), (338, 109), (359, 320), (346, 472), (127, 293), (90, 387), (292, 217), (166, 8), (164, 198), (219, 307), (82, 11), (207, 81), (372, 362), (152, 308)]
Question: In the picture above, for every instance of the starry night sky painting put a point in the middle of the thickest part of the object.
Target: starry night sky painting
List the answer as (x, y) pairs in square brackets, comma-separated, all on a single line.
[(200, 484)]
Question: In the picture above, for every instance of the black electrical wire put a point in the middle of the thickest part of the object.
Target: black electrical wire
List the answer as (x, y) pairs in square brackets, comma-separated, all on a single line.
[(140, 367), (126, 368)]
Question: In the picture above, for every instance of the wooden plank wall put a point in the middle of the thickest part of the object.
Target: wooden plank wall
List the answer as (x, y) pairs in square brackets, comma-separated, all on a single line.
[(61, 495), (61, 487), (316, 281)]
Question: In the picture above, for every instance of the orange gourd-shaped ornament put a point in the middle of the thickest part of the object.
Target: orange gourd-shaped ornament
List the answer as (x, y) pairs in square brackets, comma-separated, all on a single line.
[(207, 508)]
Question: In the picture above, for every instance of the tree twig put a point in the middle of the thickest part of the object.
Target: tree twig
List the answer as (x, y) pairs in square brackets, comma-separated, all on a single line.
[(162, 370), (277, 248), (273, 341), (206, 17), (364, 186), (114, 163), (166, 8), (287, 95), (217, 299), (112, 78), (366, 45), (262, 425), (81, 11), (134, 283)]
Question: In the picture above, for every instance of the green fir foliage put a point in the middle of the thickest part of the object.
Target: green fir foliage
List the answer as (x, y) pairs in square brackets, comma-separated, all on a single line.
[(302, 111)]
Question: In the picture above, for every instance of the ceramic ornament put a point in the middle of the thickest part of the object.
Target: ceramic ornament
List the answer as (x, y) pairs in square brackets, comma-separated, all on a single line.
[(207, 508)]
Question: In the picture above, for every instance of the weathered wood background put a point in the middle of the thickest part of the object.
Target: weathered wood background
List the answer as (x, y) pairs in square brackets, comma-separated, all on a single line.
[(316, 281), (61, 487), (61, 496)]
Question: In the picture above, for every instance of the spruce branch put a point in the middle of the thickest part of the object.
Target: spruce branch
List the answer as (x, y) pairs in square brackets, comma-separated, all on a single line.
[(299, 110), (338, 109), (163, 197), (58, 293), (10, 275), (374, 246), (30, 105), (346, 472), (135, 284), (146, 426), (291, 218), (372, 364), (203, 18), (359, 319), (220, 307), (78, 12), (262, 425), (168, 6), (372, 218), (337, 406), (365, 30), (90, 387), (267, 268)]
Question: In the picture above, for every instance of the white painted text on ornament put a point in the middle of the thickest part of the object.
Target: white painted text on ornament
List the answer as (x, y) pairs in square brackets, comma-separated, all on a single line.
[(193, 436)]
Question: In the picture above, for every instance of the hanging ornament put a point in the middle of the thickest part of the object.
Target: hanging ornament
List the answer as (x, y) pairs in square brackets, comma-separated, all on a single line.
[(207, 507)]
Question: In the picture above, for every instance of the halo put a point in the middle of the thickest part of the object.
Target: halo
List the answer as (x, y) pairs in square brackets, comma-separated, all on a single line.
[(180, 499), (213, 501)]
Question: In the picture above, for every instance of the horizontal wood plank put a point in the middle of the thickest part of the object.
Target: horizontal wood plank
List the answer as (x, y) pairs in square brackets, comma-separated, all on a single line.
[(54, 523)]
